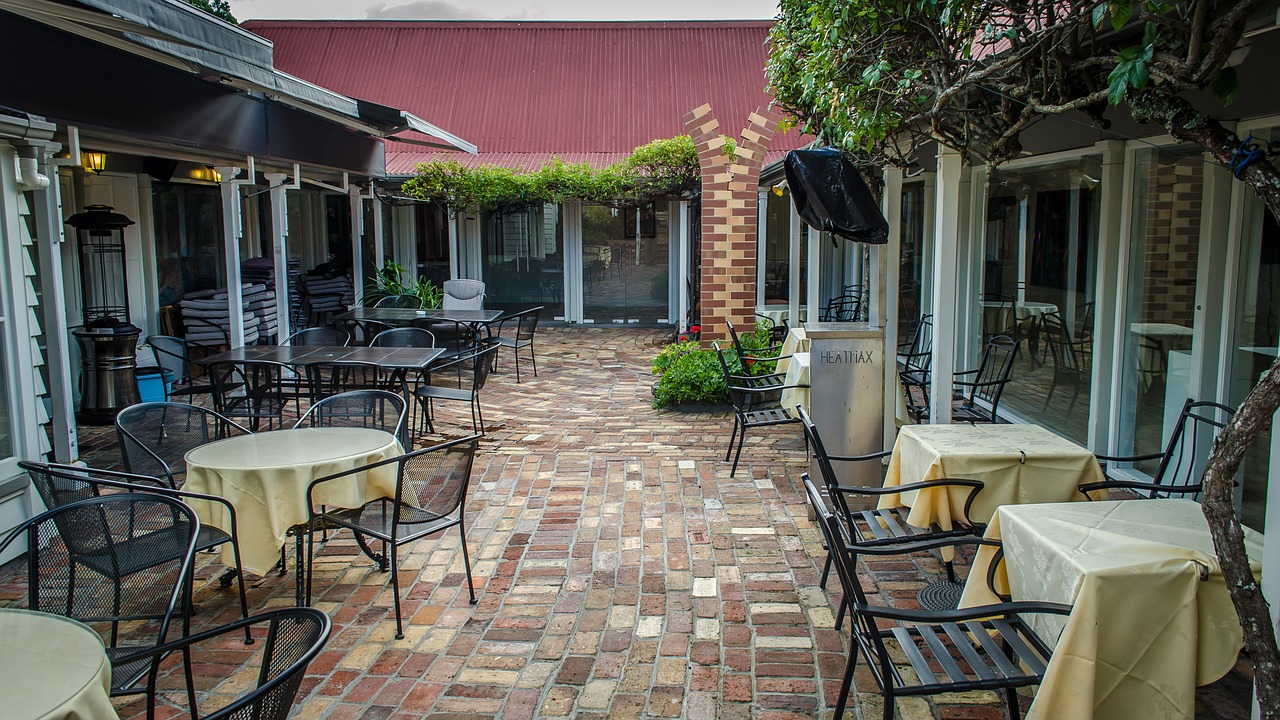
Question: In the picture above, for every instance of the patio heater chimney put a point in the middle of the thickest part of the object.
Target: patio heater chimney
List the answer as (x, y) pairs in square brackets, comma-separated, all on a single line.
[(107, 339)]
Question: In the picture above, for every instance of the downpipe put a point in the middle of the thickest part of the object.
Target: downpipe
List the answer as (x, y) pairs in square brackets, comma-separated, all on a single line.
[(27, 169)]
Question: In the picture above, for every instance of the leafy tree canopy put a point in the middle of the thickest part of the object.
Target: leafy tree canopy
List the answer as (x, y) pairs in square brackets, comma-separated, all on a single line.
[(217, 8)]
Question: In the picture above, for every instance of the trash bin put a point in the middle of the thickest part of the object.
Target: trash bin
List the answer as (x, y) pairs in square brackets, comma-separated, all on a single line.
[(846, 374), (154, 384)]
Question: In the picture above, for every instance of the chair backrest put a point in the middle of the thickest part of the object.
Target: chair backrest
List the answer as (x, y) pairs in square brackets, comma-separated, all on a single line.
[(328, 379), (1188, 448), (249, 389), (171, 354), (364, 331), (295, 636), (319, 337), (824, 465), (743, 399), (377, 409), (737, 346), (993, 373), (155, 437), (400, 301), (920, 356), (482, 363), (432, 482), (414, 337), (111, 559), (777, 331), (455, 337), (997, 314), (463, 294), (527, 324), (1068, 355)]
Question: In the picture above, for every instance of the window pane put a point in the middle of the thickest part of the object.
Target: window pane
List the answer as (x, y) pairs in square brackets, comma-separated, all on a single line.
[(911, 270), (777, 264), (524, 260), (189, 255)]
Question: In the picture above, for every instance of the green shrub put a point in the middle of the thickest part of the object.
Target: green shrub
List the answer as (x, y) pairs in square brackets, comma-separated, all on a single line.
[(689, 373)]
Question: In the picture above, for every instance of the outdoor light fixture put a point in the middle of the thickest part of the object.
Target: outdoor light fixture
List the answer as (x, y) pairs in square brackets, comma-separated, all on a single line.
[(206, 173), (95, 161)]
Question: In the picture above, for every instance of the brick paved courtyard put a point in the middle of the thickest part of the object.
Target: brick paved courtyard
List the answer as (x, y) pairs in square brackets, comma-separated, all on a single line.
[(620, 572)]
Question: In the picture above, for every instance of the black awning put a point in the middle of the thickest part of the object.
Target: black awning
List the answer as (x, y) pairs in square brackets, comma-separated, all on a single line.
[(831, 196)]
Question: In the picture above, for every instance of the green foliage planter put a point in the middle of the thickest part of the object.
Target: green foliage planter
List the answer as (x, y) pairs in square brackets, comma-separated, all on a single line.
[(688, 374)]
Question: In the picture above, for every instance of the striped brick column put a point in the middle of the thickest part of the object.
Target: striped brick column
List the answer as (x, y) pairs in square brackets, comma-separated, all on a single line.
[(729, 217)]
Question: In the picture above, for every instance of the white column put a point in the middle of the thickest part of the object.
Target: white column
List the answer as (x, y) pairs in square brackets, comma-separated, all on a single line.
[(685, 300), (813, 274), (53, 305), (357, 244), (928, 197), (1209, 332), (379, 239), (793, 269), (946, 234), (762, 242), (1108, 343), (455, 248), (231, 229), (884, 302), (280, 250), (970, 267), (1073, 253), (1024, 213), (573, 258)]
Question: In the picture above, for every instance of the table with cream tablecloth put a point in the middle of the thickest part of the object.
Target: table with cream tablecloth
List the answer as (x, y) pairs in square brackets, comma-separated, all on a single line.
[(797, 374), (1017, 464), (52, 668), (265, 476), (1151, 619), (797, 342)]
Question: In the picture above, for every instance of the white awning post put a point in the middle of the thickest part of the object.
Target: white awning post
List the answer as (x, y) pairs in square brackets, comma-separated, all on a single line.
[(884, 300), (231, 228), (762, 242), (946, 251), (813, 274), (379, 252), (53, 304), (357, 243), (280, 251), (682, 222), (793, 268)]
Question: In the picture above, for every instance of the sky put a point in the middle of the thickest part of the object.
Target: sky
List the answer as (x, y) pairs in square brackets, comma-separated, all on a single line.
[(504, 9)]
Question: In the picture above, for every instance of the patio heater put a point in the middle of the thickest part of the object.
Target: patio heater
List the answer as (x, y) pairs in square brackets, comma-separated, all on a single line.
[(107, 339)]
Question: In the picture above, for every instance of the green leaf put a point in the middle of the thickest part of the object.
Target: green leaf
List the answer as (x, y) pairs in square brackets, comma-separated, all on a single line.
[(1121, 11), (1118, 85), (1100, 12), (1226, 85)]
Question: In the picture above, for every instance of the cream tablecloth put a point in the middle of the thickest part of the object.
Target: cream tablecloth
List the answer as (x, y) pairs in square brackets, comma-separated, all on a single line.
[(1017, 464), (265, 476), (797, 342), (797, 374), (52, 668), (1145, 629)]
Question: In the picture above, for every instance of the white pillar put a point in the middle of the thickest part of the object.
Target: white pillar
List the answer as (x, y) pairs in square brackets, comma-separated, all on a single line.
[(379, 239), (280, 250), (1209, 332), (678, 224), (814, 274), (231, 228), (1024, 239), (573, 258), (1073, 254), (49, 237), (1108, 344), (357, 244), (762, 242), (884, 299), (928, 198), (946, 235), (793, 269)]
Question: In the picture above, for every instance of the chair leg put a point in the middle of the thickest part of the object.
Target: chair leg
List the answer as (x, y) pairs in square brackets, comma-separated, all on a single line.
[(844, 605), (395, 588), (244, 602), (742, 440), (1011, 699), (951, 571), (888, 701), (733, 437), (826, 572), (533, 358), (847, 681), (466, 562), (516, 351)]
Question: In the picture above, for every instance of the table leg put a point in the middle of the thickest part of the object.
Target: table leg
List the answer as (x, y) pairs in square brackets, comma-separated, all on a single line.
[(300, 572)]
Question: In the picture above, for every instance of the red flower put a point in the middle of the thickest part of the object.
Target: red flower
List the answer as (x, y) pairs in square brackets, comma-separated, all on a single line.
[(684, 338), (695, 328)]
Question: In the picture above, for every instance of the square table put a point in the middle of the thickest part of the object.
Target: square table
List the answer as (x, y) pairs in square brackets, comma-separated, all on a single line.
[(406, 316), (1151, 619), (396, 358), (1017, 464)]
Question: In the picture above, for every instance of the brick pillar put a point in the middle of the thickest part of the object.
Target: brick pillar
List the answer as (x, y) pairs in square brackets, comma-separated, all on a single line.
[(729, 217)]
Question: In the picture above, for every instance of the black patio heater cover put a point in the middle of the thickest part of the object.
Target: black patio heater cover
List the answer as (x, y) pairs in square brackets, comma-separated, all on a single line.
[(831, 196)]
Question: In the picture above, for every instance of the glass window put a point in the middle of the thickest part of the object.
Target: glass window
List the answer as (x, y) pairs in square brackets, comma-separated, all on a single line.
[(431, 227), (524, 260), (1039, 262), (625, 264), (911, 263), (777, 249), (1160, 306), (189, 245)]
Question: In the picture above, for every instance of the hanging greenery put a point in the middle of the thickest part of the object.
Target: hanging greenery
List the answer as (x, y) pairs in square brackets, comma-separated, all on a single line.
[(660, 169)]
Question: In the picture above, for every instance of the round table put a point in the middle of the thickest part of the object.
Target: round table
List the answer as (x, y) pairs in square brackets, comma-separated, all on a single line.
[(265, 477), (52, 668)]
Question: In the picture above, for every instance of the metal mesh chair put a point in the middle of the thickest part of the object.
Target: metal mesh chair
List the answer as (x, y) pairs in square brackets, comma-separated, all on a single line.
[(989, 647), (174, 355), (412, 302), (376, 409), (327, 379), (319, 337), (60, 485), (155, 437), (752, 407), (120, 559), (526, 325), (294, 636), (255, 390), (414, 337), (479, 362), (431, 492)]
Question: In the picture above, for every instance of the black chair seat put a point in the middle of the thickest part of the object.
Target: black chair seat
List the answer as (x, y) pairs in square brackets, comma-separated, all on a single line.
[(376, 518), (889, 525), (513, 342), (965, 655), (210, 537), (436, 392), (142, 552), (126, 676), (770, 416)]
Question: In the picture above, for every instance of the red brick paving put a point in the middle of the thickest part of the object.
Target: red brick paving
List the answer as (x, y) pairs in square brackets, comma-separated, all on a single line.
[(620, 571)]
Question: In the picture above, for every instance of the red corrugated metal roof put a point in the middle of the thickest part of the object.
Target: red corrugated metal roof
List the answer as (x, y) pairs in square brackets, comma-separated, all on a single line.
[(523, 91)]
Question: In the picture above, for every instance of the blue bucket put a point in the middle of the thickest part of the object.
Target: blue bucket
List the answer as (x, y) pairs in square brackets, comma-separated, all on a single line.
[(154, 384)]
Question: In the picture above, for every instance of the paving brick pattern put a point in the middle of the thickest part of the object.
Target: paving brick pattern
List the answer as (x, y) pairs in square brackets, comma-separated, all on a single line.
[(620, 571)]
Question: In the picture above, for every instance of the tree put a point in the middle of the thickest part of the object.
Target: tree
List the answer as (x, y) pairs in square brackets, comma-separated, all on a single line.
[(881, 78), (216, 8)]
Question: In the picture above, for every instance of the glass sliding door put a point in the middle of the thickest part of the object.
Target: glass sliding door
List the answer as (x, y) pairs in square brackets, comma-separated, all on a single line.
[(777, 249), (1160, 305), (524, 260), (911, 262), (1040, 258), (625, 265), (189, 242), (431, 240)]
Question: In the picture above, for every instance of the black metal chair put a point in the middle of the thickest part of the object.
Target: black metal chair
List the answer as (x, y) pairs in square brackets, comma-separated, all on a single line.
[(768, 354), (415, 337), (874, 527), (411, 302), (294, 636), (1182, 462), (334, 378), (979, 391), (255, 390), (319, 337), (916, 358), (989, 647), (60, 485), (477, 364), (155, 437), (364, 331), (752, 407), (431, 493), (120, 559), (376, 409), (526, 325), (777, 331), (1070, 358), (174, 355)]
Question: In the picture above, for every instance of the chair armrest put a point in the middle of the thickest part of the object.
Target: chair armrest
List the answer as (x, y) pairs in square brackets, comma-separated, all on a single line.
[(973, 613), (984, 383), (942, 482), (1135, 485), (339, 475), (1129, 458), (908, 546), (860, 458), (959, 373)]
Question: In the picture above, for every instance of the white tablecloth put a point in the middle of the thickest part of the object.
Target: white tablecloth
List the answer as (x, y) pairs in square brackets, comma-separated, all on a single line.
[(52, 668), (265, 476), (797, 374)]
